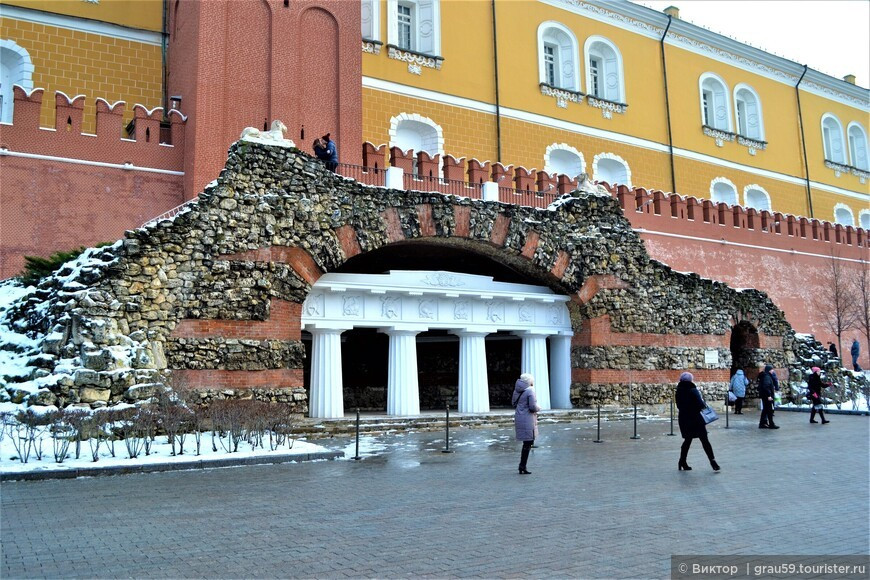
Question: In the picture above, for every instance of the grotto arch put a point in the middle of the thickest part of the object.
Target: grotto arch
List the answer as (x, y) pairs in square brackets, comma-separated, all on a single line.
[(214, 297)]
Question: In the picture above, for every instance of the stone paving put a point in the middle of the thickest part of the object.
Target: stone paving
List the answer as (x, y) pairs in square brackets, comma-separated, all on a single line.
[(617, 509)]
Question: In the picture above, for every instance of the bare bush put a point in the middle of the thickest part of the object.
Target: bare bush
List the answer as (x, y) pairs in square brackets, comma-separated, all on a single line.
[(62, 434), (279, 423), (78, 419)]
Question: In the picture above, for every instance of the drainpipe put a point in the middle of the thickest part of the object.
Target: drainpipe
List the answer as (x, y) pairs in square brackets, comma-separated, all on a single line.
[(163, 49), (668, 106), (804, 143), (497, 103)]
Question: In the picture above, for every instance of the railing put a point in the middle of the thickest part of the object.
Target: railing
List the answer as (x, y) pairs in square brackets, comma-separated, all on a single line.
[(437, 184), (369, 175), (527, 197), (169, 214)]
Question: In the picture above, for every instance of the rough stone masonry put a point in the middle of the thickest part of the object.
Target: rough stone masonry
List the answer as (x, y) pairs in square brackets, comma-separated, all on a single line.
[(211, 299)]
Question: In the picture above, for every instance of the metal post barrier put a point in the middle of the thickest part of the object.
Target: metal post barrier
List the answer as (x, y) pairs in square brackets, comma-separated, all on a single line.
[(357, 457), (598, 438), (671, 434), (635, 436), (726, 410), (447, 432)]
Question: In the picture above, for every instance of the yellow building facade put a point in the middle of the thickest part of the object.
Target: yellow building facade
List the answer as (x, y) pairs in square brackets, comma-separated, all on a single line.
[(591, 87), (111, 49)]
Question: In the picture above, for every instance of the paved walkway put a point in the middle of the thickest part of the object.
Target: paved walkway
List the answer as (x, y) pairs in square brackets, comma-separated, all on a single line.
[(612, 510)]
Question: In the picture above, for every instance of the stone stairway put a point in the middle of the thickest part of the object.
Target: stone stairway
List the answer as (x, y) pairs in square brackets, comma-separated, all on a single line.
[(374, 423)]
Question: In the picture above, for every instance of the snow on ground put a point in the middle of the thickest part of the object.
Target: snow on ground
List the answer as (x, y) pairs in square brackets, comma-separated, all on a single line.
[(160, 453)]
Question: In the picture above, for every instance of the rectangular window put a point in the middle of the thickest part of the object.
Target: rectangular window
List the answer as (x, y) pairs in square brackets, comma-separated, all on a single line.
[(594, 75), (741, 118), (406, 26), (550, 64), (708, 108)]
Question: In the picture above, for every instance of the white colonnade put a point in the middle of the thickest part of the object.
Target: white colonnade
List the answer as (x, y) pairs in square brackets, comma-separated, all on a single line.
[(405, 303)]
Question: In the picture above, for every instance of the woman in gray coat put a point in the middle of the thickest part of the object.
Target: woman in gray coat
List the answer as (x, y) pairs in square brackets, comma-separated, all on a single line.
[(739, 382), (525, 417)]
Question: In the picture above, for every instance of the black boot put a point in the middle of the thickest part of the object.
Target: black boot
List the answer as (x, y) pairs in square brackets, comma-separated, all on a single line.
[(684, 452), (822, 417), (813, 416), (524, 457)]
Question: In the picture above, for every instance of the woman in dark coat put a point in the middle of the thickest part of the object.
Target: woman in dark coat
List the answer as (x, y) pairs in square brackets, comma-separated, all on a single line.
[(525, 417), (690, 404), (815, 385)]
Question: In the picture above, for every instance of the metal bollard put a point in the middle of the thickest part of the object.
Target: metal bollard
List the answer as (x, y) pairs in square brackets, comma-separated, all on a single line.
[(598, 439), (671, 434), (726, 410), (635, 436), (447, 432), (357, 457)]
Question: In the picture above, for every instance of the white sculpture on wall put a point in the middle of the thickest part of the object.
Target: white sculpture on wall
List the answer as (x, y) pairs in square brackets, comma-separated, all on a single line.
[(274, 136)]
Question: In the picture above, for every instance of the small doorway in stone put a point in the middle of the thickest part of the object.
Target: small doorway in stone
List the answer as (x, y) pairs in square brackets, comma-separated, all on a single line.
[(744, 349)]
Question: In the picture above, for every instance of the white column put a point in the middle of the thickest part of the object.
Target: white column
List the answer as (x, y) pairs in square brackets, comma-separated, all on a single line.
[(473, 381), (403, 391), (489, 191), (560, 371), (327, 396), (394, 178), (534, 362)]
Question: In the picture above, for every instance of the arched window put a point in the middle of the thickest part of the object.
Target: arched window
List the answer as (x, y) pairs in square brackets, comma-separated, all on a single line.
[(864, 219), (857, 146), (611, 168), (564, 159), (843, 215), (414, 25), (412, 131), (832, 138), (747, 106), (715, 111), (16, 68), (604, 78), (371, 19), (557, 56), (755, 196), (722, 190)]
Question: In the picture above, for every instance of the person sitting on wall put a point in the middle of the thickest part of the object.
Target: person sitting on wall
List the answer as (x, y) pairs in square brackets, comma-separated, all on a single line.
[(832, 348)]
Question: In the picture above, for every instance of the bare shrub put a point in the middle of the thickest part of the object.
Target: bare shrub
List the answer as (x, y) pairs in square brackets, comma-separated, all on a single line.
[(128, 427), (227, 418), (62, 434), (279, 423), (78, 419)]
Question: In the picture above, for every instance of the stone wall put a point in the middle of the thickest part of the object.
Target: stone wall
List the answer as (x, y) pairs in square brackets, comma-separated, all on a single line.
[(215, 293)]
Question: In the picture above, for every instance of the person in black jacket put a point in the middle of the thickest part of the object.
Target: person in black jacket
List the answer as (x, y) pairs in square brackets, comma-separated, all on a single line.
[(692, 426), (815, 385), (765, 392)]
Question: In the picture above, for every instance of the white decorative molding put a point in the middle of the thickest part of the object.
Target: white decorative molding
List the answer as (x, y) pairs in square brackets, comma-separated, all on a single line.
[(719, 135), (439, 132), (839, 168), (752, 144), (550, 167), (607, 107), (757, 188), (562, 96), (732, 190), (596, 173), (465, 302), (841, 208), (442, 280), (415, 58), (371, 47)]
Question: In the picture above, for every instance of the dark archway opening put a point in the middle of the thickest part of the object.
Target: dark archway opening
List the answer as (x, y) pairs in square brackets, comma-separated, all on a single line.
[(744, 348)]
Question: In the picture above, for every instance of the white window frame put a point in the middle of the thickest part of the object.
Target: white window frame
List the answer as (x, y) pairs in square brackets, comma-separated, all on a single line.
[(374, 7), (21, 75), (571, 63), (864, 216), (605, 70), (759, 189), (612, 157), (861, 141), (548, 166), (417, 5), (828, 139), (723, 180), (396, 121), (842, 207), (737, 99), (722, 100)]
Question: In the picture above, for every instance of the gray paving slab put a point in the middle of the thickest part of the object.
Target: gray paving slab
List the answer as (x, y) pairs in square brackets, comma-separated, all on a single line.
[(618, 509)]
